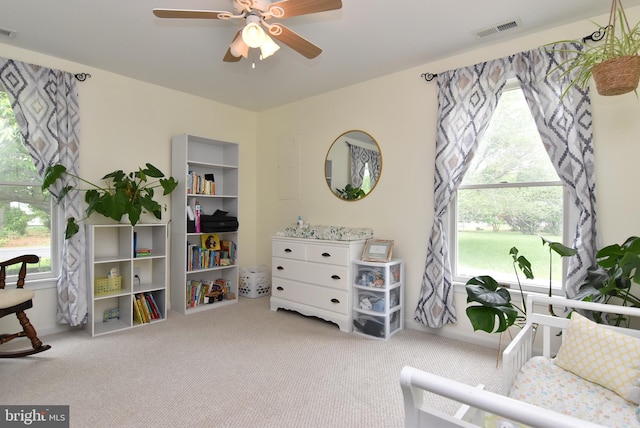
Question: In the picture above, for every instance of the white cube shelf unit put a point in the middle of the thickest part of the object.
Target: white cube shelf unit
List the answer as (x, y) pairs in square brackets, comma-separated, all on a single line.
[(118, 275)]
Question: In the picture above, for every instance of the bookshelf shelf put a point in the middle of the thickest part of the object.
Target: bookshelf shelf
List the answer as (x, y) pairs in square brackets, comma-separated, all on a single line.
[(111, 249), (197, 158)]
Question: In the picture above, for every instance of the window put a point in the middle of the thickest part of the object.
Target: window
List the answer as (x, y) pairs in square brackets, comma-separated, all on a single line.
[(26, 214), (366, 179), (510, 197)]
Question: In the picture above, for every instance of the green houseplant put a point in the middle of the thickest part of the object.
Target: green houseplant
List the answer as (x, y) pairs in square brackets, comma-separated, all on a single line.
[(614, 63), (616, 270), (350, 193), (123, 193), (490, 302)]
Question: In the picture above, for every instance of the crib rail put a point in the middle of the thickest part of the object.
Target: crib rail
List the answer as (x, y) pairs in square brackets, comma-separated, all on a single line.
[(545, 325), (414, 382)]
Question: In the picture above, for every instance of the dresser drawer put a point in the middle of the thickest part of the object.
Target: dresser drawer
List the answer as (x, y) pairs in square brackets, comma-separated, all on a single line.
[(289, 250), (316, 273), (320, 297), (328, 254)]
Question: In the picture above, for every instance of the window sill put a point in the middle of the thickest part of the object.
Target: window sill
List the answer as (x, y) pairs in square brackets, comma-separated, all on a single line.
[(36, 284), (459, 287)]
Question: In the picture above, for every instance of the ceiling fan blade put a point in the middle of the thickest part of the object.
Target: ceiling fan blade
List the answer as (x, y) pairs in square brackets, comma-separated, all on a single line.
[(288, 8), (294, 41), (228, 57), (237, 49), (183, 13)]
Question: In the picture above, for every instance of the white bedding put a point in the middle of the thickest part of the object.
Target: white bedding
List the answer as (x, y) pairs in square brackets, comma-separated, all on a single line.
[(542, 383)]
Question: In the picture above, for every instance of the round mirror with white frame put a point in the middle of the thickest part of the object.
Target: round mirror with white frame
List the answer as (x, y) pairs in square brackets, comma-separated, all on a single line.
[(353, 165)]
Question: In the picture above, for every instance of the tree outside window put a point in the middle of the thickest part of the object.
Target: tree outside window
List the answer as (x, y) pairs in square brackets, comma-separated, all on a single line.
[(25, 212), (510, 196)]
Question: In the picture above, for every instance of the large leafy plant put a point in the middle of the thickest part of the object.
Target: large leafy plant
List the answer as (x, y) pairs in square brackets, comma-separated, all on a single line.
[(491, 308), (123, 193), (616, 270)]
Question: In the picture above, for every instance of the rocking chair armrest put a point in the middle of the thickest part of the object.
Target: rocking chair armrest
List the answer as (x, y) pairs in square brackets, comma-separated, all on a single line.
[(23, 260)]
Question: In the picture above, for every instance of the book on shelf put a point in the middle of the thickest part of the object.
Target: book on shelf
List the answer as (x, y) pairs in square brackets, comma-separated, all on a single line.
[(189, 182), (143, 252), (137, 315), (195, 293), (199, 257), (210, 241), (152, 307), (145, 308), (198, 184), (203, 291)]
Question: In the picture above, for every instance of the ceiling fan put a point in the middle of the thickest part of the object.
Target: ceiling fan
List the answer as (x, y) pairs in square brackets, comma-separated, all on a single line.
[(256, 14)]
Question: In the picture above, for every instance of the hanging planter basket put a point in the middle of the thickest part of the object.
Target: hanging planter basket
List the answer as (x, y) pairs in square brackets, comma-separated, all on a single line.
[(617, 76)]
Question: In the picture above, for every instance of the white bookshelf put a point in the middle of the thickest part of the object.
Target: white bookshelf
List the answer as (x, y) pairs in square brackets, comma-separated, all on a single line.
[(201, 156)]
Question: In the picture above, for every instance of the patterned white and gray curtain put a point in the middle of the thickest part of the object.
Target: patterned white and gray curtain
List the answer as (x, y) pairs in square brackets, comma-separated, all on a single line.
[(564, 124), (45, 103), (467, 98), (359, 157)]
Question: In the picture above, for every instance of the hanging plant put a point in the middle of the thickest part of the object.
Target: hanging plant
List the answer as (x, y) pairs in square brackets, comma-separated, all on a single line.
[(614, 63)]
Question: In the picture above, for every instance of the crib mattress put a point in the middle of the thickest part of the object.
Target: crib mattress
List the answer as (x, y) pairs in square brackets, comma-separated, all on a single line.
[(542, 383)]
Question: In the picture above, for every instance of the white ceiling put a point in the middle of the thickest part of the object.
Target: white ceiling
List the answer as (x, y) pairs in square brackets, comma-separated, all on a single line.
[(363, 40)]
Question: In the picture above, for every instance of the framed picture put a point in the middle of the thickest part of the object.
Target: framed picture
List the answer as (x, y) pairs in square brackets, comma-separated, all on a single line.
[(377, 250)]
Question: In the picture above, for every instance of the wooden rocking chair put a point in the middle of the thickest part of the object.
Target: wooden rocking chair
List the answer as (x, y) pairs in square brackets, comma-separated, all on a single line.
[(16, 301)]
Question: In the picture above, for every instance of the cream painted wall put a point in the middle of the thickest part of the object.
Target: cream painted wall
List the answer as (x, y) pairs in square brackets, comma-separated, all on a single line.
[(125, 123), (400, 111)]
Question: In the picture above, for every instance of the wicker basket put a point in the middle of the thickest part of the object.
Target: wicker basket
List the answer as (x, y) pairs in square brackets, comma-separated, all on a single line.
[(617, 76), (106, 285)]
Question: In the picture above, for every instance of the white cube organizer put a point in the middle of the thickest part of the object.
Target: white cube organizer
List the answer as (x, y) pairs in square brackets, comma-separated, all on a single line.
[(255, 282)]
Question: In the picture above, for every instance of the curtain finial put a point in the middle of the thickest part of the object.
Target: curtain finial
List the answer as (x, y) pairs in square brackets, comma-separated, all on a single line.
[(428, 76)]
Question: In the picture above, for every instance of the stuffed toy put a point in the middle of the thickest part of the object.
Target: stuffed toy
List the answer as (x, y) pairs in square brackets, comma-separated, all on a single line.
[(371, 303), (365, 303)]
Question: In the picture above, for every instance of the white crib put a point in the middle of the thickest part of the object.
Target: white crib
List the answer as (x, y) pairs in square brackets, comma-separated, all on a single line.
[(477, 403)]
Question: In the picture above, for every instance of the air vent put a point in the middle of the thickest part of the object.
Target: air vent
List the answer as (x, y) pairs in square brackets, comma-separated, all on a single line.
[(6, 32), (497, 28)]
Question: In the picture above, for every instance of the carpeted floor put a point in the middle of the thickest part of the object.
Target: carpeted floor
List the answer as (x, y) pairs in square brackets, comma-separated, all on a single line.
[(238, 366)]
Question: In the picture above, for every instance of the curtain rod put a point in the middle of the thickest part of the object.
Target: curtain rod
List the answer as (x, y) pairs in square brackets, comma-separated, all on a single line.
[(82, 76), (596, 36)]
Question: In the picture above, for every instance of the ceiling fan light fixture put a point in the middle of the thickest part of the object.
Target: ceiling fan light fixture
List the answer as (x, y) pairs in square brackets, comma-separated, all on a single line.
[(253, 35), (268, 47)]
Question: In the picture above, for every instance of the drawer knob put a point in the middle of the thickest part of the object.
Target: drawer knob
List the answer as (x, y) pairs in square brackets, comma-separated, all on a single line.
[(335, 277), (326, 255), (335, 301), (279, 288), (288, 250), (280, 268)]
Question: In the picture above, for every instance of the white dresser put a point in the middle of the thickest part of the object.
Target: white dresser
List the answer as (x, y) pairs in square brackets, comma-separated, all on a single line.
[(314, 277)]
